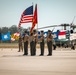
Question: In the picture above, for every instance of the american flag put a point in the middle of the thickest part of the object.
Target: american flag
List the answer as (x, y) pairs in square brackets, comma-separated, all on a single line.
[(27, 16)]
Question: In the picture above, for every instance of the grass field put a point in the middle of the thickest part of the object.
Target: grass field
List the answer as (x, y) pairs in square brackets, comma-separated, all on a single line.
[(13, 45), (8, 45)]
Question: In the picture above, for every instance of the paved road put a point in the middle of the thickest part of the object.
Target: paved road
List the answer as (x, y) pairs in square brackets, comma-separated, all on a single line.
[(63, 62)]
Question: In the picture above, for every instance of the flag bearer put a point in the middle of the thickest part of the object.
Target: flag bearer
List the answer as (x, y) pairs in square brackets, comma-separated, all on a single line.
[(35, 40), (25, 40), (32, 44)]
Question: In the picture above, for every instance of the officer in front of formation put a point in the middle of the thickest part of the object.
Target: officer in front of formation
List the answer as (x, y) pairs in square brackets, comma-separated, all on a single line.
[(25, 40), (41, 39), (49, 43)]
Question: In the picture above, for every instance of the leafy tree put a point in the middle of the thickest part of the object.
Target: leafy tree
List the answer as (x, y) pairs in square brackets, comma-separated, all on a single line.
[(0, 30), (13, 29), (4, 30)]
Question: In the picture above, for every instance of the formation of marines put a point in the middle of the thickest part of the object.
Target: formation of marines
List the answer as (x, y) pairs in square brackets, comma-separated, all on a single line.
[(33, 40)]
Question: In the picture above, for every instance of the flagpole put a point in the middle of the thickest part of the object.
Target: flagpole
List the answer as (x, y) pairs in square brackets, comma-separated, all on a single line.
[(37, 17), (32, 15), (34, 20), (37, 21)]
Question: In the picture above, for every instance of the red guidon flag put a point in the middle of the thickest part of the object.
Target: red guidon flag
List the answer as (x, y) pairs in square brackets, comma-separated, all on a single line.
[(35, 21)]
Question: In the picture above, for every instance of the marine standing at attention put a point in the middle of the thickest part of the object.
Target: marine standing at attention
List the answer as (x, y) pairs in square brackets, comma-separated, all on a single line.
[(42, 43), (25, 40), (49, 43), (35, 40)]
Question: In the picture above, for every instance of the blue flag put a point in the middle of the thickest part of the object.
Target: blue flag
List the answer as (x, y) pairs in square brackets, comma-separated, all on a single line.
[(6, 36), (55, 35), (0, 36)]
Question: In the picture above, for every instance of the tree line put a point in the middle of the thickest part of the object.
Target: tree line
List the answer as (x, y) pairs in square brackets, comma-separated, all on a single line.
[(13, 29)]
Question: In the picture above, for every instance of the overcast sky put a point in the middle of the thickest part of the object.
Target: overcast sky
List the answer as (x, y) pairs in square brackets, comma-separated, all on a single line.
[(50, 12)]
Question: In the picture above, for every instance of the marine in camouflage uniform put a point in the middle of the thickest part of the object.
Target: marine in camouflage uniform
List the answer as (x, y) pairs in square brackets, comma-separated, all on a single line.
[(42, 43), (49, 43)]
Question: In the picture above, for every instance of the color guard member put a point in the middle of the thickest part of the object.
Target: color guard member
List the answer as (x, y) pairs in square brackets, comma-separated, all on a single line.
[(42, 43), (25, 40), (49, 43)]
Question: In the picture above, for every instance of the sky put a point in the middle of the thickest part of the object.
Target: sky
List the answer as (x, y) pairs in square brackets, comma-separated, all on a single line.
[(50, 12)]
